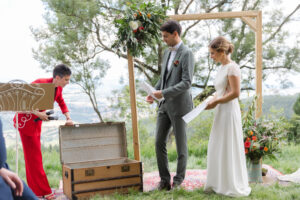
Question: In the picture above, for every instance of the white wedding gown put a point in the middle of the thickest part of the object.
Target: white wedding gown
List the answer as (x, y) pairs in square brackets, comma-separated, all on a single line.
[(226, 162)]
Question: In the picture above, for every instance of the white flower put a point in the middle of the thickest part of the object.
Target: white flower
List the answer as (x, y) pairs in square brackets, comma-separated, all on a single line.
[(133, 25), (139, 23), (256, 145)]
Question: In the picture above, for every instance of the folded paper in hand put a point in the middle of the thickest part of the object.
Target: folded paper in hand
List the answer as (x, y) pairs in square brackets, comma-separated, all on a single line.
[(149, 89), (196, 111)]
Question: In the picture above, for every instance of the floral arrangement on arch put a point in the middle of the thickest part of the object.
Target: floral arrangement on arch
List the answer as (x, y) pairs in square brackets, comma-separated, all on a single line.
[(139, 27), (261, 137)]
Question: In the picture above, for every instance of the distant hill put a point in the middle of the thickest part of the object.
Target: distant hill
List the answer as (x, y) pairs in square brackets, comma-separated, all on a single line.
[(278, 102), (83, 113)]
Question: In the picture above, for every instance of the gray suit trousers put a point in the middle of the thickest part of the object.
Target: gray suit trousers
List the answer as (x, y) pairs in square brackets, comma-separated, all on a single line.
[(165, 120)]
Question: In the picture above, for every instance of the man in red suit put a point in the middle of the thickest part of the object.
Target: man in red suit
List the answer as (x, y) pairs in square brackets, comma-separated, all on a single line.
[(30, 132)]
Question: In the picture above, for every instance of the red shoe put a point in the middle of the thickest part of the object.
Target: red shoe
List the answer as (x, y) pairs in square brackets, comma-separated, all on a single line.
[(49, 196)]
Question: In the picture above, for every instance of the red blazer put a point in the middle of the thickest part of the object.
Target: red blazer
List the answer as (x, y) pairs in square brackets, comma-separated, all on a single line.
[(27, 125)]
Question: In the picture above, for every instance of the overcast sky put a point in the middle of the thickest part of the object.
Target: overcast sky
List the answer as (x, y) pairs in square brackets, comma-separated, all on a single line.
[(16, 42)]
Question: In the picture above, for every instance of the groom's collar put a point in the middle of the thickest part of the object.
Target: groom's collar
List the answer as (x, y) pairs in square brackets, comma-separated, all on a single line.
[(176, 47)]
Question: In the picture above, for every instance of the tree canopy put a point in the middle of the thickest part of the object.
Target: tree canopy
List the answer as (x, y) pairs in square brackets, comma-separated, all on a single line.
[(78, 32)]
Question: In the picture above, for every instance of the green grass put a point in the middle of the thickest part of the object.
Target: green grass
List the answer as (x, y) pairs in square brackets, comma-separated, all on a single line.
[(51, 161), (288, 162), (259, 191)]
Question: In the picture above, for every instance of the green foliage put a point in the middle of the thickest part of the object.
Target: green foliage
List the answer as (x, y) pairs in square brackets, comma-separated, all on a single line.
[(67, 39), (280, 109), (172, 152), (293, 134), (138, 27), (198, 148), (261, 137), (120, 103), (278, 55), (276, 102), (51, 163), (296, 106), (287, 160), (199, 128), (80, 31)]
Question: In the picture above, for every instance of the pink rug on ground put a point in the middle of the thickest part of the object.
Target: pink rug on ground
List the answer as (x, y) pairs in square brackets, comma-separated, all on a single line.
[(194, 179)]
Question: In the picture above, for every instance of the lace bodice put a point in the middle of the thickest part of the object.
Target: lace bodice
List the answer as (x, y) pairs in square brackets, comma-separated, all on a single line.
[(221, 81)]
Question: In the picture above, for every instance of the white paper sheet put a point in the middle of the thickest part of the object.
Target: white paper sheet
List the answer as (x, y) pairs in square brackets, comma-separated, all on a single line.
[(196, 111), (149, 89)]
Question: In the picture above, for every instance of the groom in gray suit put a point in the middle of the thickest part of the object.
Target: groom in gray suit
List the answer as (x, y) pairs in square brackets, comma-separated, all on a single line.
[(174, 86)]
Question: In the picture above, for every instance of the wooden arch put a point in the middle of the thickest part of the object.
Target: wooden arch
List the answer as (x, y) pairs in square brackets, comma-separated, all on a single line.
[(251, 18)]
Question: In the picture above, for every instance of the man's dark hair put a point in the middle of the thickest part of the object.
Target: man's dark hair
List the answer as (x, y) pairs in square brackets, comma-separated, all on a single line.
[(61, 70), (170, 26)]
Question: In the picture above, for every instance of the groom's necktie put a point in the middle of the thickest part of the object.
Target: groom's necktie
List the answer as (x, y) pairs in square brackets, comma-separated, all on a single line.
[(166, 70)]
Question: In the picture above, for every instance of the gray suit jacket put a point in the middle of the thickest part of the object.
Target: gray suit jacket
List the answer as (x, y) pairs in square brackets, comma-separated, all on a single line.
[(177, 94)]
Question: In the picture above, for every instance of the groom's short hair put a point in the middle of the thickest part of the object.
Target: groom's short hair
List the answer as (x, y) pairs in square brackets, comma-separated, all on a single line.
[(170, 26)]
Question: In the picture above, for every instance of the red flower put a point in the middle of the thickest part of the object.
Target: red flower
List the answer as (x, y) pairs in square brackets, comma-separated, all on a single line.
[(176, 62), (141, 28), (254, 138), (246, 151), (247, 144), (135, 30)]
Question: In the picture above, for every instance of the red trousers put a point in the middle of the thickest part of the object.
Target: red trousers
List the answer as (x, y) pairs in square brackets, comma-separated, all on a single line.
[(35, 174)]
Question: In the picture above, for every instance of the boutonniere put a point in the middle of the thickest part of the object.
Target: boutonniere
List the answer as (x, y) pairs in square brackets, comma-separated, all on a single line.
[(176, 62)]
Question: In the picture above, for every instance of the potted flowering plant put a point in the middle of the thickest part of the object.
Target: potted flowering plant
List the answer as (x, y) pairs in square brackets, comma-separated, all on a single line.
[(138, 27), (261, 139)]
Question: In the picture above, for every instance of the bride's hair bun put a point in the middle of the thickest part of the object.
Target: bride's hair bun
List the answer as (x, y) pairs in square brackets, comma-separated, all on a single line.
[(221, 44)]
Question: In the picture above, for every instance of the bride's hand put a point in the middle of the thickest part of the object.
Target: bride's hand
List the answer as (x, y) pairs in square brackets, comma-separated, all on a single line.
[(211, 104)]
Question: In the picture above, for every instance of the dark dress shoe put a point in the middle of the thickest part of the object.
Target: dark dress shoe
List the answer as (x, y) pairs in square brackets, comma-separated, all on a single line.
[(164, 186), (176, 185)]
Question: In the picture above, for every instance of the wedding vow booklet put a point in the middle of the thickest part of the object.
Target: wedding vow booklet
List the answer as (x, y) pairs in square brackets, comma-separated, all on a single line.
[(149, 89), (196, 111)]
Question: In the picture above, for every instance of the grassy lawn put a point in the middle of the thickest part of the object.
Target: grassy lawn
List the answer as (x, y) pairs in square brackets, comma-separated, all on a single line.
[(258, 192), (288, 162)]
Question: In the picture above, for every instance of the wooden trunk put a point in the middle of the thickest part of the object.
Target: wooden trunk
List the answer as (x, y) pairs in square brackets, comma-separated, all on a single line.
[(94, 160)]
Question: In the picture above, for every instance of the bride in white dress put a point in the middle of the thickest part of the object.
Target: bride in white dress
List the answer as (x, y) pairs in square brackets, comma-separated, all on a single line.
[(226, 162)]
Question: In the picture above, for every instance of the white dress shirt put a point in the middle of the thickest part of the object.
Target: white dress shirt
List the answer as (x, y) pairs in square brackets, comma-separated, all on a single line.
[(173, 54)]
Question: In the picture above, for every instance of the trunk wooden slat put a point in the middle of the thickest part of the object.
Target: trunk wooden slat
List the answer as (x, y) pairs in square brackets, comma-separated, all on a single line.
[(94, 160)]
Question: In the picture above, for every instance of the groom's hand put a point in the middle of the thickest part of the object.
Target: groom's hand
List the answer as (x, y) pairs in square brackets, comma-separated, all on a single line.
[(158, 94), (149, 99)]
